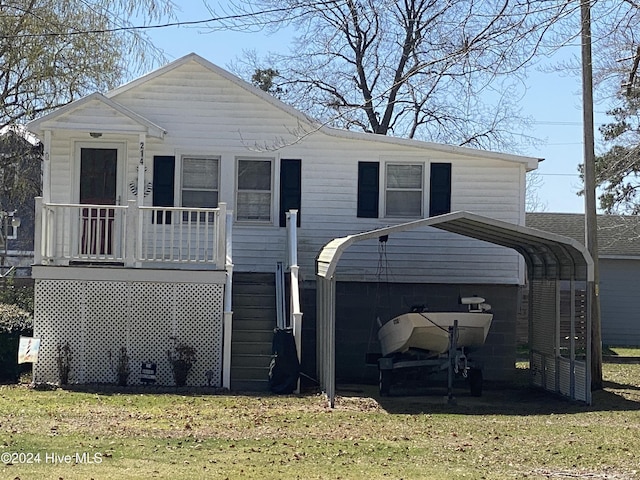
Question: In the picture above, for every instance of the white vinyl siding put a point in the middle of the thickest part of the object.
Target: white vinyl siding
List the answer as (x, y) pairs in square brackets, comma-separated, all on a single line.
[(206, 113), (254, 190), (404, 190)]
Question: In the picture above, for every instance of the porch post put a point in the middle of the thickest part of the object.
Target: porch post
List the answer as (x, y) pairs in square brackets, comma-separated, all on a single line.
[(46, 168), (228, 305), (38, 232), (131, 238), (140, 203), (141, 168)]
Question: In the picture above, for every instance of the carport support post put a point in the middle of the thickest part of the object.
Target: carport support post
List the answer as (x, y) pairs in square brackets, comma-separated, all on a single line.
[(326, 337)]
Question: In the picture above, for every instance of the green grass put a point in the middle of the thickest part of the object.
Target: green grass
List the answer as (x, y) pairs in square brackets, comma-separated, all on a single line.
[(622, 351), (508, 433)]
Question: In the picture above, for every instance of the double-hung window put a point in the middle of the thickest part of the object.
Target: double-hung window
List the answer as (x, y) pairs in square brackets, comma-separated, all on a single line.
[(199, 184), (254, 189), (404, 190)]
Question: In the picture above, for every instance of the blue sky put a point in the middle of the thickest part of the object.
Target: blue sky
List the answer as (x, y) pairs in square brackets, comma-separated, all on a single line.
[(553, 101)]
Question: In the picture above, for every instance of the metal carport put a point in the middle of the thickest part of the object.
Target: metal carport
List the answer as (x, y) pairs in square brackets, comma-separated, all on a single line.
[(557, 364)]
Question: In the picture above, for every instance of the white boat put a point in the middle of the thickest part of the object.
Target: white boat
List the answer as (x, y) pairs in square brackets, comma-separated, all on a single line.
[(430, 330)]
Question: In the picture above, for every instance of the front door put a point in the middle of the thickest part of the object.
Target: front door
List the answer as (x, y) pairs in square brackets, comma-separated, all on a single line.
[(98, 186)]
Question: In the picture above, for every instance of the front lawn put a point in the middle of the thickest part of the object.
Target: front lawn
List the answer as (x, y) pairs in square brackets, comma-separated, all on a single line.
[(508, 433)]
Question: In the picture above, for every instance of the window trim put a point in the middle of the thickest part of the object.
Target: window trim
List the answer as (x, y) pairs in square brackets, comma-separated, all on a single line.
[(386, 188), (272, 216), (180, 177)]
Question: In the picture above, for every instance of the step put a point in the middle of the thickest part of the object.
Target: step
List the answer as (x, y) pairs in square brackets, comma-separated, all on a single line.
[(249, 373), (250, 360), (255, 301), (265, 336), (251, 348), (244, 323)]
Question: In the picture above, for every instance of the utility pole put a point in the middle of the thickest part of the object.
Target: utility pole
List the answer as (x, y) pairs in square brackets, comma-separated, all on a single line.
[(591, 219)]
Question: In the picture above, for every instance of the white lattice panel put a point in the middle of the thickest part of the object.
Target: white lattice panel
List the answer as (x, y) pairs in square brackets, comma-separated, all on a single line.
[(98, 318), (58, 320), (151, 329), (105, 330), (199, 323)]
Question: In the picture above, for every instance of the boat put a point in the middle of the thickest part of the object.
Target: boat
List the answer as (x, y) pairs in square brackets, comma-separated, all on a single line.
[(429, 331)]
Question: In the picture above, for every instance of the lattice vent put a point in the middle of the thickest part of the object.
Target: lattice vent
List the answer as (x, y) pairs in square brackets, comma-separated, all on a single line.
[(58, 317), (97, 319)]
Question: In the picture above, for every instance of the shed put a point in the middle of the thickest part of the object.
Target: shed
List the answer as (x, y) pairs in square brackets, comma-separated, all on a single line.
[(560, 341)]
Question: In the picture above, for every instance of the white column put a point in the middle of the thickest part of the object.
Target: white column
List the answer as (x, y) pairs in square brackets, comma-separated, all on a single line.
[(46, 168), (141, 187), (228, 307)]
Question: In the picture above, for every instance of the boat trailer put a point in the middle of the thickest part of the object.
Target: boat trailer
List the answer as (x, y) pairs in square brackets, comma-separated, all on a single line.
[(422, 362)]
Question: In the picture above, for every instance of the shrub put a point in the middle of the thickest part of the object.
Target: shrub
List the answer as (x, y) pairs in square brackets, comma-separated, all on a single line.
[(14, 322)]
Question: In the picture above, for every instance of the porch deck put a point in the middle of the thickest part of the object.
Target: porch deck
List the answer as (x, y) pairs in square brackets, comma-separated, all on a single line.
[(130, 235)]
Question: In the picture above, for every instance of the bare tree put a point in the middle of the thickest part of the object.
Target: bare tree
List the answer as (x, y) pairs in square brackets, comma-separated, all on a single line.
[(533, 202), (53, 51), (446, 71)]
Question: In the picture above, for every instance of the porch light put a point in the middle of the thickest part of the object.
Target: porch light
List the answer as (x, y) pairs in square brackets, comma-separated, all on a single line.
[(95, 134)]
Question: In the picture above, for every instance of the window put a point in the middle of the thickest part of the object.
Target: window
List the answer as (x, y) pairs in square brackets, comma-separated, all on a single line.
[(368, 189), (199, 184), (440, 189), (253, 202), (403, 190)]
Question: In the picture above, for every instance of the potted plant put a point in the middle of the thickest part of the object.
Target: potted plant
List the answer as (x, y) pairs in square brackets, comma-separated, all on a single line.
[(181, 358)]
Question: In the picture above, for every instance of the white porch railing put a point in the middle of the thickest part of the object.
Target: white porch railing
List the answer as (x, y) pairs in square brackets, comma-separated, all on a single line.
[(292, 260), (129, 235)]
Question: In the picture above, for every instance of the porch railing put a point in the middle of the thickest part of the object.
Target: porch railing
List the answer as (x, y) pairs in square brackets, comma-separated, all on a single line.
[(129, 235)]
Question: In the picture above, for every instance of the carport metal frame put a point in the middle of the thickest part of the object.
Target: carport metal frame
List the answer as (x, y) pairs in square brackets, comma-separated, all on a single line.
[(549, 257)]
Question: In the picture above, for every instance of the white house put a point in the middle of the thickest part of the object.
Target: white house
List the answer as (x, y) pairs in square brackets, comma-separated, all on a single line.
[(157, 192)]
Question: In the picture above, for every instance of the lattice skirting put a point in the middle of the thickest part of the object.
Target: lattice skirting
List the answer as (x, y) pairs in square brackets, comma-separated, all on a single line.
[(98, 318)]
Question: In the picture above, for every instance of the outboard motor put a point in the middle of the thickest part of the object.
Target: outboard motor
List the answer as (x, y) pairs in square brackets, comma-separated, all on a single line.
[(476, 304)]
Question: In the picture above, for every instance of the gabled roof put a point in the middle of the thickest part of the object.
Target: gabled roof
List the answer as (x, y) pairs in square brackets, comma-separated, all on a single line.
[(54, 119), (618, 235), (531, 163)]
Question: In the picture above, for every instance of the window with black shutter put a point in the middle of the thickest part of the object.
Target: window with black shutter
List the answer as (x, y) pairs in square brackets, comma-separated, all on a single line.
[(440, 189), (290, 188), (164, 169), (368, 189)]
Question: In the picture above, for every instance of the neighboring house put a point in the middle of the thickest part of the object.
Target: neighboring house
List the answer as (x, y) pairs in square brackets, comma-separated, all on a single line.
[(20, 182), (619, 268), (139, 184)]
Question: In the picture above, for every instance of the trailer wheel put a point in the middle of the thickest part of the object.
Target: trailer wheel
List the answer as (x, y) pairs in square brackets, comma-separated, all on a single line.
[(475, 382), (384, 382)]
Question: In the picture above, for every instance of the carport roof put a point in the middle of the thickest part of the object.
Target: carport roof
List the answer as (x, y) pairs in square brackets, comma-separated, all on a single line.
[(547, 255)]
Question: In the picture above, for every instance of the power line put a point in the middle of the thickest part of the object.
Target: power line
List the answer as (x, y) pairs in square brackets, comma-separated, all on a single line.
[(149, 27)]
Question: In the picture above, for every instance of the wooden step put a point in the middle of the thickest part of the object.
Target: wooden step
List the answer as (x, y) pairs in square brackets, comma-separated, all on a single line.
[(265, 336), (251, 360), (254, 320), (251, 348)]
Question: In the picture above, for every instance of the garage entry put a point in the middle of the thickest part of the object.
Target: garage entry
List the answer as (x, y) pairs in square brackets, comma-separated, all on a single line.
[(560, 281)]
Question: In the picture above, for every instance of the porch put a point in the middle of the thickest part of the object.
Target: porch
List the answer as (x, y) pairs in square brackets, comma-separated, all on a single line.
[(130, 235)]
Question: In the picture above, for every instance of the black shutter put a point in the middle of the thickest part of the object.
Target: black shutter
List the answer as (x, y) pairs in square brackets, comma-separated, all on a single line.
[(368, 189), (440, 189), (290, 188), (164, 169)]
